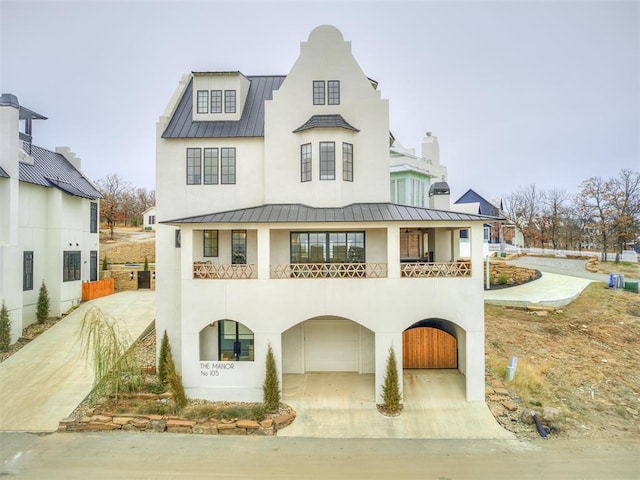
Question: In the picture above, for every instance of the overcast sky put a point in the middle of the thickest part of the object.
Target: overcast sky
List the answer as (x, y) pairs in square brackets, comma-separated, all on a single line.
[(517, 92)]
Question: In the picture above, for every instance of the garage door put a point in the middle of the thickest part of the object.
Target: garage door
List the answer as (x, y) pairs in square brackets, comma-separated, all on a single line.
[(427, 347), (331, 345)]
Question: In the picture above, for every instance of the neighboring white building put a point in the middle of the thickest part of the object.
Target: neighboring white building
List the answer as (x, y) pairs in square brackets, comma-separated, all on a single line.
[(281, 232), (412, 175), (48, 220), (149, 218)]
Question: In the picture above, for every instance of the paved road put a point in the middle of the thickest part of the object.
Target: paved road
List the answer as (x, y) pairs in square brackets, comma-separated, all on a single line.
[(142, 456), (561, 266)]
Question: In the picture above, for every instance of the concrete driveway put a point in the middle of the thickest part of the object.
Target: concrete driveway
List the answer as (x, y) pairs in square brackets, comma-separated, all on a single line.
[(342, 405), (47, 379)]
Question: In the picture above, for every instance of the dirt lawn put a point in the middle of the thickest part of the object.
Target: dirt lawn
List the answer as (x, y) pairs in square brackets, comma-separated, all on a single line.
[(582, 359)]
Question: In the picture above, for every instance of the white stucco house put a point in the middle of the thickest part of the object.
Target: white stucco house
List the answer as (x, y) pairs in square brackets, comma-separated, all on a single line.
[(149, 218), (275, 227), (48, 220)]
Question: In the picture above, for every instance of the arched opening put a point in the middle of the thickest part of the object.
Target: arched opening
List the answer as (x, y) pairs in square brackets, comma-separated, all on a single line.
[(328, 344), (430, 344), (226, 340)]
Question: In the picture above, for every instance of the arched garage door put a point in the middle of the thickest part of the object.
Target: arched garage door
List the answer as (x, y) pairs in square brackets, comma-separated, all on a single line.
[(428, 347)]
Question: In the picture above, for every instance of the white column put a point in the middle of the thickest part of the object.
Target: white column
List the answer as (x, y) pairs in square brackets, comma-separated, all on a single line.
[(476, 234), (475, 366), (393, 251), (264, 247), (186, 252)]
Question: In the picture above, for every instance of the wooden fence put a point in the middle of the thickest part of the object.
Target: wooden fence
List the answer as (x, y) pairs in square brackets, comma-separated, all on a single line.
[(100, 288)]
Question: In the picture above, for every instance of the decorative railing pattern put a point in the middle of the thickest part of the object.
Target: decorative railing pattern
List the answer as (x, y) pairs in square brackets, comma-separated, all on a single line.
[(329, 270), (424, 269), (225, 272)]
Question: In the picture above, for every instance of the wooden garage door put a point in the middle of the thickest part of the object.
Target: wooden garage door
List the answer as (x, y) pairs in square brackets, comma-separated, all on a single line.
[(427, 347)]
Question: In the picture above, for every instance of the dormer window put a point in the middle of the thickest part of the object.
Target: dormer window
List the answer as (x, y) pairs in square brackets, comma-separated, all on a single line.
[(216, 101), (229, 101), (203, 101)]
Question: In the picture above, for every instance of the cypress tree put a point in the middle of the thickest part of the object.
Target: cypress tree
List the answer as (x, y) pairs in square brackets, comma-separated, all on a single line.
[(42, 310), (5, 328), (271, 386), (165, 352), (391, 389)]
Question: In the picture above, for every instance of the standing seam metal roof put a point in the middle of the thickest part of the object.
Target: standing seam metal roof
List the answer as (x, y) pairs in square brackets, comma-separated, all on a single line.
[(251, 123), (52, 169), (357, 212), (326, 121), (3, 173)]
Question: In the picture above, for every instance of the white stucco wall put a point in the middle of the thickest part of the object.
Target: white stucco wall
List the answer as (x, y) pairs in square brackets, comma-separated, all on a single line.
[(268, 171)]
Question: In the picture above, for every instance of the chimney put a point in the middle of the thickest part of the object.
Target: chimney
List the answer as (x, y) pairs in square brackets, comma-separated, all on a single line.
[(70, 156), (439, 196)]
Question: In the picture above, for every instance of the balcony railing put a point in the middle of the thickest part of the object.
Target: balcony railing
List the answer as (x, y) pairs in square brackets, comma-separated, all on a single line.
[(329, 270), (429, 269), (210, 270)]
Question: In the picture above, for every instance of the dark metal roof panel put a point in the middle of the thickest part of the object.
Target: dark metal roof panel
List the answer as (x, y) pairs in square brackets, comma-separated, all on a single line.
[(325, 121), (3, 173), (251, 123), (52, 169), (358, 212)]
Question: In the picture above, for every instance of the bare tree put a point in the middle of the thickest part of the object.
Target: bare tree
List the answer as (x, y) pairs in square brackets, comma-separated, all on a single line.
[(596, 194), (555, 213), (522, 208), (112, 188), (624, 199)]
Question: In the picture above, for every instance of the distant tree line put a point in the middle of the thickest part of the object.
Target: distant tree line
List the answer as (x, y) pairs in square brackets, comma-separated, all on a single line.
[(604, 215), (123, 204)]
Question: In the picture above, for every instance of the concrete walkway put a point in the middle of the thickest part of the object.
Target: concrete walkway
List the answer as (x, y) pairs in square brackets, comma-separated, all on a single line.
[(551, 290), (47, 379), (342, 405)]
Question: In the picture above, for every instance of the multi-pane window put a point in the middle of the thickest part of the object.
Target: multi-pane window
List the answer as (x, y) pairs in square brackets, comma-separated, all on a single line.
[(347, 162), (177, 240), (93, 219), (333, 92), (71, 266), (235, 341), (238, 246), (93, 265), (152, 219), (327, 247), (228, 166), (327, 160), (203, 101), (193, 166), (305, 162), (210, 243), (210, 166), (27, 271), (318, 92), (229, 101), (216, 101)]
